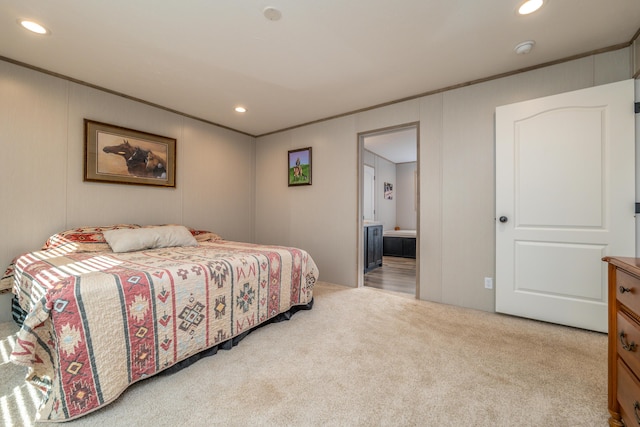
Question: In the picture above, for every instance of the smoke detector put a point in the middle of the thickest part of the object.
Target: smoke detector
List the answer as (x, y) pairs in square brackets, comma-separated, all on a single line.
[(524, 47), (272, 14)]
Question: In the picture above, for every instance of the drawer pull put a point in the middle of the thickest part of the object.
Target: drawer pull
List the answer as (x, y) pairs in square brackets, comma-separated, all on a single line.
[(626, 346), (636, 407), (623, 289)]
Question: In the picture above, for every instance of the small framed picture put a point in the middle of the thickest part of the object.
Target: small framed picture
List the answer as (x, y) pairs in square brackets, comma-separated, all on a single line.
[(388, 191), (126, 156), (299, 167)]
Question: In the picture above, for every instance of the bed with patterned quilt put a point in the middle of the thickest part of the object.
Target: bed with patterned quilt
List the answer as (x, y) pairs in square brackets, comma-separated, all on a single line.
[(109, 306)]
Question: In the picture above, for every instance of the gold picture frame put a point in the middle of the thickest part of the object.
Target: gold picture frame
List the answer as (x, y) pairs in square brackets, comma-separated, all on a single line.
[(121, 155)]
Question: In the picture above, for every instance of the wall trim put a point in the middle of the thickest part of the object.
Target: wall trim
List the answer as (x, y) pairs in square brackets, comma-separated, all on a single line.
[(116, 93), (349, 113), (460, 85)]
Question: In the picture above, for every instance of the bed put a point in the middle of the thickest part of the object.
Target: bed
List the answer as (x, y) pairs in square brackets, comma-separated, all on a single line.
[(399, 243), (109, 306)]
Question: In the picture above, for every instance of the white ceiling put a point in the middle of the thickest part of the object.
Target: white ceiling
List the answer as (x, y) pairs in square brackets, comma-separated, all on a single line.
[(321, 59), (397, 146)]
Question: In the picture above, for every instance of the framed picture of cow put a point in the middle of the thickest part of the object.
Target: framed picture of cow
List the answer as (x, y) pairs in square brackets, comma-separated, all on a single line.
[(125, 156), (299, 167)]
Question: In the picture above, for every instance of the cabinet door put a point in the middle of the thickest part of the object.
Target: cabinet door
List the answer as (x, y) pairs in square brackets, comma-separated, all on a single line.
[(370, 248), (392, 246), (408, 247), (377, 245)]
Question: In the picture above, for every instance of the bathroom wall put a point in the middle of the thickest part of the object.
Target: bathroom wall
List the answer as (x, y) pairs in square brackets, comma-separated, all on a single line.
[(385, 172), (406, 214)]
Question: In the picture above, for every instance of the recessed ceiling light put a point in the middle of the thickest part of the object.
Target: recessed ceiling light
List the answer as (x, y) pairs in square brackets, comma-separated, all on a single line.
[(241, 109), (530, 6), (33, 26)]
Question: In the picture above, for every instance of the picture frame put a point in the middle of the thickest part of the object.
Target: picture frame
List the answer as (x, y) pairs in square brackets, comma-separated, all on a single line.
[(388, 191), (299, 167), (119, 155)]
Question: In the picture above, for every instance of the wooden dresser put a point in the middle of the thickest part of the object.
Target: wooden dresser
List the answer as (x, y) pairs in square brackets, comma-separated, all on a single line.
[(624, 341)]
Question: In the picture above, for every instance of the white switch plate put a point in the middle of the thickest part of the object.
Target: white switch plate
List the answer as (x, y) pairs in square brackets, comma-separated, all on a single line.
[(488, 282)]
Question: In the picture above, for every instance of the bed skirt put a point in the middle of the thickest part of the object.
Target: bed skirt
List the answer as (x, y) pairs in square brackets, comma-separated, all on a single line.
[(19, 314), (232, 342)]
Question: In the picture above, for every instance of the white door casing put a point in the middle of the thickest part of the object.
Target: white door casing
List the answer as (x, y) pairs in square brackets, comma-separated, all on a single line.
[(369, 194), (565, 183)]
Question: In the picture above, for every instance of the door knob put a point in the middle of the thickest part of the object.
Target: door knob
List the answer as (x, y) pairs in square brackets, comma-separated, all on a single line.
[(504, 219)]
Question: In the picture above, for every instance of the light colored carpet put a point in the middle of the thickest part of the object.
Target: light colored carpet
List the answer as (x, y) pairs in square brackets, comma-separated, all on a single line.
[(365, 357)]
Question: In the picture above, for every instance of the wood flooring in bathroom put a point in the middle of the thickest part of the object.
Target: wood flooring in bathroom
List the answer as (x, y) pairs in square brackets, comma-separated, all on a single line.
[(396, 274)]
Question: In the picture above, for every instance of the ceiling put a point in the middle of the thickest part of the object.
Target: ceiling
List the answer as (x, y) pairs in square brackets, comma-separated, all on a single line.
[(397, 146), (321, 59)]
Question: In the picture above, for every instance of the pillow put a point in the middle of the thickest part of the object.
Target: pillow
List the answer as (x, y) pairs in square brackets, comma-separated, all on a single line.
[(204, 235), (200, 235), (6, 283), (129, 240), (84, 239)]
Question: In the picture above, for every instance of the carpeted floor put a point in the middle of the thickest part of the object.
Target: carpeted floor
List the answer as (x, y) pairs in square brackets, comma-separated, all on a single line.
[(365, 357)]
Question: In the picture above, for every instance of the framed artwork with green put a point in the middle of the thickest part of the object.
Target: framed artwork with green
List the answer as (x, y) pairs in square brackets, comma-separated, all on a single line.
[(299, 167)]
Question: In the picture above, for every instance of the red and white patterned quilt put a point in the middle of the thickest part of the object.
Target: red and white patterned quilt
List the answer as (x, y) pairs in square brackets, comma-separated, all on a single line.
[(100, 321)]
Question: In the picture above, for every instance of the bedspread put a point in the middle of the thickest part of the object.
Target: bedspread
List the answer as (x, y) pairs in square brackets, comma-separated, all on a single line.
[(98, 322)]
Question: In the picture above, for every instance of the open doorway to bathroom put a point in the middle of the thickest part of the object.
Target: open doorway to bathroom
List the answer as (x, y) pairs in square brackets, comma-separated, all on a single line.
[(389, 209)]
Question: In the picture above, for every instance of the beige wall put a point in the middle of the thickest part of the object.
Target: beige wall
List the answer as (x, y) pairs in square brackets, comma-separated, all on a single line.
[(405, 195), (236, 185), (320, 218), (456, 164), (41, 152), (385, 171)]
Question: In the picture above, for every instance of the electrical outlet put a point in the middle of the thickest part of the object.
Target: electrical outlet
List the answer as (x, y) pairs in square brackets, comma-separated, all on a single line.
[(488, 283)]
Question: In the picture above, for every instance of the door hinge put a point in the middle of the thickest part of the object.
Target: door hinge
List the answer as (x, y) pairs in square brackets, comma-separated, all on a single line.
[(637, 207), (637, 107)]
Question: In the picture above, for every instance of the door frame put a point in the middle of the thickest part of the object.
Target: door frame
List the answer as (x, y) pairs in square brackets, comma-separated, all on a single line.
[(359, 221), (373, 196)]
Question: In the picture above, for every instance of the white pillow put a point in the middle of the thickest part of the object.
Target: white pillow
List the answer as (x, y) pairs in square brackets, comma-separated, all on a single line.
[(129, 240)]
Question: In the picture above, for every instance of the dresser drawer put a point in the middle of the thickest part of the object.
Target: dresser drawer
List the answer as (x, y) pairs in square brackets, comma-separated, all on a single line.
[(628, 290), (628, 342), (628, 395)]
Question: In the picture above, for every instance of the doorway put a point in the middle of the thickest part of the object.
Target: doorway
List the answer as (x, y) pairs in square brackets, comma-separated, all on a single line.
[(388, 207), (369, 193)]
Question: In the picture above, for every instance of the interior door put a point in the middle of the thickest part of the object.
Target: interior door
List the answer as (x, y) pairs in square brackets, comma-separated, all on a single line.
[(368, 194), (565, 197)]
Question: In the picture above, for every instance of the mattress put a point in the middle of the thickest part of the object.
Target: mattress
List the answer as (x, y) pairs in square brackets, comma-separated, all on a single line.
[(98, 322)]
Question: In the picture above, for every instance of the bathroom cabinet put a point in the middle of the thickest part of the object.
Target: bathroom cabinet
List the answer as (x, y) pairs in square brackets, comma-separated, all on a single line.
[(372, 247)]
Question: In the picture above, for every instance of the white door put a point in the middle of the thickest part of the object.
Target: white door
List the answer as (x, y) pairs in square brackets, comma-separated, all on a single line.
[(368, 194), (565, 197)]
